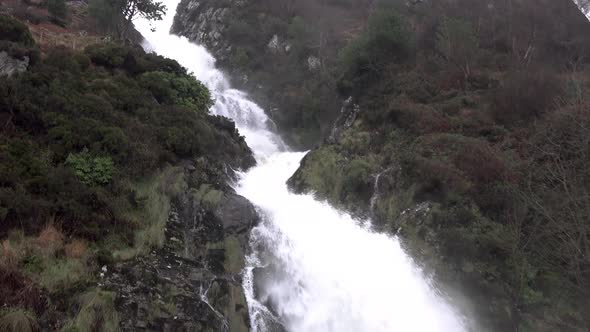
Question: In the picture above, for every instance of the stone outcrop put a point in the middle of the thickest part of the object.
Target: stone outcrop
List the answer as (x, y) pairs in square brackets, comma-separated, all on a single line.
[(194, 282), (205, 22), (10, 65)]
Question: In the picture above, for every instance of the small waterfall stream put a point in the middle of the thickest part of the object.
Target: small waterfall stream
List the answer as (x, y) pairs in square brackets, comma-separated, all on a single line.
[(311, 267)]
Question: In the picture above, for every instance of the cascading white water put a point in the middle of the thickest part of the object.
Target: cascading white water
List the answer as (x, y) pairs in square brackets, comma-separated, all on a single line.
[(312, 268)]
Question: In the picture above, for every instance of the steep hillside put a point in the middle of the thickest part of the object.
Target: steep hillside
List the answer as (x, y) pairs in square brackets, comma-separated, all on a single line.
[(282, 52), (467, 136), (112, 169)]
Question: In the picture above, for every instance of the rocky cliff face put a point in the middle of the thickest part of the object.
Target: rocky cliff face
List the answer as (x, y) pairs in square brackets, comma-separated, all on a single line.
[(206, 22), (192, 283)]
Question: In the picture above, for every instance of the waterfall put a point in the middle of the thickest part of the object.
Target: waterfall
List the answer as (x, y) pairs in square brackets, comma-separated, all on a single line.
[(311, 267)]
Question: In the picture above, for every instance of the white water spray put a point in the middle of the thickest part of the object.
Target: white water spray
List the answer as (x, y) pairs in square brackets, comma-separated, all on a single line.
[(312, 268)]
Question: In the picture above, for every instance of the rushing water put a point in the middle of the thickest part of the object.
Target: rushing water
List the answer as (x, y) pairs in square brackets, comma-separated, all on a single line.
[(311, 267)]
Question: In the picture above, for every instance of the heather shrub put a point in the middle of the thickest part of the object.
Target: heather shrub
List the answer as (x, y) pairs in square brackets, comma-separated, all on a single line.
[(525, 94)]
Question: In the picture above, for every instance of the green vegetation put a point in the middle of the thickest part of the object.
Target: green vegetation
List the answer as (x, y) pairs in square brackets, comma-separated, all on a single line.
[(152, 198), (116, 16), (84, 125), (91, 171), (106, 15), (296, 78), (91, 145), (171, 89), (57, 8), (18, 320), (97, 313), (15, 31), (387, 38), (481, 132)]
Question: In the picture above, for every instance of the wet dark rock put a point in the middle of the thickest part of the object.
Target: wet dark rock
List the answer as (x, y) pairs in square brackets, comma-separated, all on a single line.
[(192, 283), (236, 213)]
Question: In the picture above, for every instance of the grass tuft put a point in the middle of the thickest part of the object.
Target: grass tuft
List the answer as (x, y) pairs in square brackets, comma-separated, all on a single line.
[(18, 320), (97, 313), (153, 207)]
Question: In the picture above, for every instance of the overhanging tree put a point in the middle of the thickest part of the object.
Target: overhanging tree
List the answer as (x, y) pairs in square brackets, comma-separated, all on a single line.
[(148, 9)]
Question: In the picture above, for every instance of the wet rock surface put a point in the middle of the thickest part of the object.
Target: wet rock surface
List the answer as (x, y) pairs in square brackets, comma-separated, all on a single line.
[(192, 283)]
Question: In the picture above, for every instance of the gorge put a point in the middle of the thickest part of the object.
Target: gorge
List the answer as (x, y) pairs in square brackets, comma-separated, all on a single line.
[(311, 267), (294, 165)]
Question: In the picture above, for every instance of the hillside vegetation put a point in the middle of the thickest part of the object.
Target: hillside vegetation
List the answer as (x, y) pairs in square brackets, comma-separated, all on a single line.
[(90, 144), (476, 115), (283, 53)]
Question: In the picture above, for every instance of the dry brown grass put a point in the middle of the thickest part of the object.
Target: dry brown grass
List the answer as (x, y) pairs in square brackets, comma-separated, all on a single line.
[(48, 36), (75, 249), (9, 255), (50, 240), (18, 320)]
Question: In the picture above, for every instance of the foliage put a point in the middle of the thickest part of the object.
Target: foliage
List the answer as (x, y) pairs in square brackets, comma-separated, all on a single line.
[(386, 39), (525, 94), (150, 10), (171, 89), (116, 16), (79, 133), (458, 44), (57, 8), (18, 320), (481, 154), (91, 170), (15, 31), (97, 313), (106, 15)]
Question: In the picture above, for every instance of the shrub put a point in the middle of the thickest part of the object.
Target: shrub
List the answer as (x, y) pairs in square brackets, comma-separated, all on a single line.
[(418, 119), (387, 39), (169, 88), (358, 180), (57, 8), (18, 320), (109, 55), (97, 313), (15, 31), (91, 170), (50, 240), (458, 44), (525, 94), (75, 249), (17, 290), (480, 162), (105, 14)]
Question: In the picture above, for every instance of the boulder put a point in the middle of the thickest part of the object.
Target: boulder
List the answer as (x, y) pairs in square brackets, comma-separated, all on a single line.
[(236, 213), (10, 65)]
